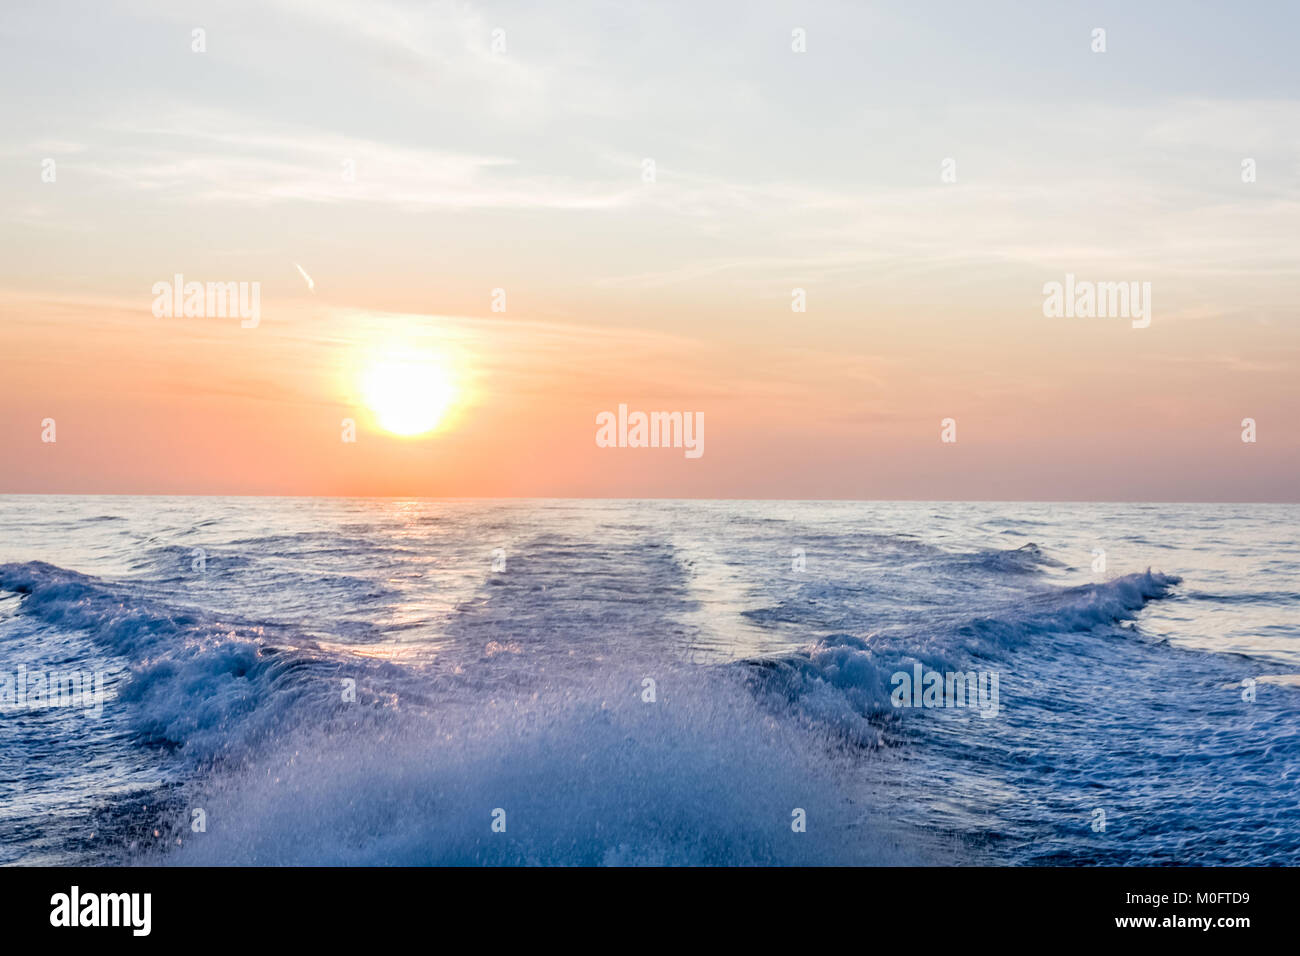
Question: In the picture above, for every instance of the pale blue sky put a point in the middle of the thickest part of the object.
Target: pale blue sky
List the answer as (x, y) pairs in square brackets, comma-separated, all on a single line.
[(762, 154)]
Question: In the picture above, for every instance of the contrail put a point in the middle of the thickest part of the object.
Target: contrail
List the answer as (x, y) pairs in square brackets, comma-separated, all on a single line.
[(310, 285)]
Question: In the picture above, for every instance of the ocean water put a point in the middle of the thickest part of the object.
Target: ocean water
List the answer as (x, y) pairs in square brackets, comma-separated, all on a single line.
[(361, 681)]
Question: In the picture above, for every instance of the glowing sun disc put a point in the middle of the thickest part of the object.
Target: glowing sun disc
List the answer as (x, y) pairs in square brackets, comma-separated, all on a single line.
[(407, 394)]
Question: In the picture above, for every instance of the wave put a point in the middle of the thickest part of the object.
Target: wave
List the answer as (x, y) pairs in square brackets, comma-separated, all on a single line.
[(844, 681), (1026, 559), (711, 770), (200, 686), (208, 686)]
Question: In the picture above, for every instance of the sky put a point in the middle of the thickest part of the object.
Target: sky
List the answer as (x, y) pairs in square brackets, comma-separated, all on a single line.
[(538, 213)]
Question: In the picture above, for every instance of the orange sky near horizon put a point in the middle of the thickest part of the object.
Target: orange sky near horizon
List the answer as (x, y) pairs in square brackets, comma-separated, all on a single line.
[(203, 406)]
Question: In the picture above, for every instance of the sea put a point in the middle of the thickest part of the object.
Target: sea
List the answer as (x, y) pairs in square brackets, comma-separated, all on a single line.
[(316, 681)]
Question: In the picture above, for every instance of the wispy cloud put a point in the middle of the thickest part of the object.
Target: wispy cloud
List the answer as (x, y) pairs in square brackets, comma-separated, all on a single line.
[(215, 157)]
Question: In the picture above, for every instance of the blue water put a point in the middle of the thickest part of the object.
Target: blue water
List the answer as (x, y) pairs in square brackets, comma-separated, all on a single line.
[(1159, 692)]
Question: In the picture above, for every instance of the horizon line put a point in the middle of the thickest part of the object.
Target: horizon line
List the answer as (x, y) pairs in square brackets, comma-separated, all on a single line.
[(937, 501)]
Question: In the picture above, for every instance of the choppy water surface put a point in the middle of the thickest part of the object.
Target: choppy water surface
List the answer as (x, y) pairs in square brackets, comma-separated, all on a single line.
[(500, 653)]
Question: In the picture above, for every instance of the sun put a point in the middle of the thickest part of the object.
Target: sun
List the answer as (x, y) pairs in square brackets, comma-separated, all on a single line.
[(408, 391)]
